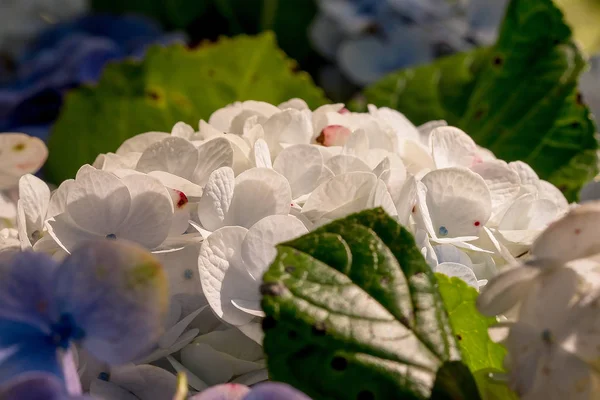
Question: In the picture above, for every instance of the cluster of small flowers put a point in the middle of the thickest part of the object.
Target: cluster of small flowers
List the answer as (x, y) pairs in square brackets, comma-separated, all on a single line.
[(212, 203), (549, 305), (370, 38)]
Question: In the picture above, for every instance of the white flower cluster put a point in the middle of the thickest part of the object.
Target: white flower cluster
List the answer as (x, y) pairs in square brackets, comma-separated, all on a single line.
[(551, 307), (212, 203)]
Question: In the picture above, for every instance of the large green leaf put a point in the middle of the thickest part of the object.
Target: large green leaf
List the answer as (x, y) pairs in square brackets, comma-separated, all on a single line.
[(353, 312), (469, 326), (518, 98), (171, 84)]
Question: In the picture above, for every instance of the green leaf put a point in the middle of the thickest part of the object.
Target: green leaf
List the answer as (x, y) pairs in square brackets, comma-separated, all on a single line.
[(469, 326), (454, 382), (493, 389), (519, 98), (172, 84), (353, 312)]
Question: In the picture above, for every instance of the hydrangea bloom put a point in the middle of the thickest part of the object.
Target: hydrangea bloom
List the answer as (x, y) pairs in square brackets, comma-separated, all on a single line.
[(551, 302), (22, 20), (369, 38), (109, 298), (65, 56), (211, 203), (270, 391)]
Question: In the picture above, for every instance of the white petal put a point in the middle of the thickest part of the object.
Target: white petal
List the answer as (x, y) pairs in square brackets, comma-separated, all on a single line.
[(170, 337), (183, 130), (506, 290), (99, 202), (216, 199), (461, 271), (139, 143), (527, 175), (58, 199), (458, 201), (212, 366), (173, 154), (112, 161), (343, 163), (289, 126), (503, 182), (380, 197), (574, 236), (222, 275), (221, 119), (402, 125), (193, 380), (171, 181), (301, 165), (251, 307), (259, 192), (252, 378), (426, 129), (345, 193), (449, 253), (258, 248), (34, 197), (21, 154), (260, 154), (106, 390), (151, 212), (548, 191), (234, 343), (147, 382), (451, 147), (181, 270), (295, 103), (212, 155), (319, 116), (357, 144), (406, 200)]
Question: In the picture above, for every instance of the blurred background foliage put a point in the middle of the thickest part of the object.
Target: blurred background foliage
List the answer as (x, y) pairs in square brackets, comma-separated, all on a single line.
[(53, 81)]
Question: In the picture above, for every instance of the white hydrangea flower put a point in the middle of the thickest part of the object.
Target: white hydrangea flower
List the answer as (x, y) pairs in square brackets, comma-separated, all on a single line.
[(232, 261), (136, 207), (552, 336), (219, 357), (212, 203), (20, 154)]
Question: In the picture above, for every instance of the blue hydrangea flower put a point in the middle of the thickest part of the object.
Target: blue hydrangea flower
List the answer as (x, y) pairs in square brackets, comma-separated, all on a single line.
[(66, 56), (37, 386), (262, 391), (109, 297), (370, 38)]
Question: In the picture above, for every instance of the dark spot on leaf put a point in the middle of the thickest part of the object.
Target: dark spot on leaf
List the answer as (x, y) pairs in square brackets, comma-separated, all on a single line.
[(404, 321), (556, 42), (339, 363), (563, 188), (254, 78), (292, 335), (459, 337), (575, 125), (385, 281), (290, 269), (442, 49), (319, 329), (211, 72), (271, 289), (365, 395), (268, 323), (479, 114), (152, 94), (579, 99), (498, 61)]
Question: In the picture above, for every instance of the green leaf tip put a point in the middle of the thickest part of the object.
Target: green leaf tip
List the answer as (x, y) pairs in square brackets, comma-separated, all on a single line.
[(171, 84), (518, 98), (353, 312)]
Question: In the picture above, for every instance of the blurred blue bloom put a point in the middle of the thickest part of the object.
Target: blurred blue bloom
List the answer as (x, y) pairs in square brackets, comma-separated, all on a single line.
[(66, 56), (37, 386), (262, 391), (107, 296), (370, 38)]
